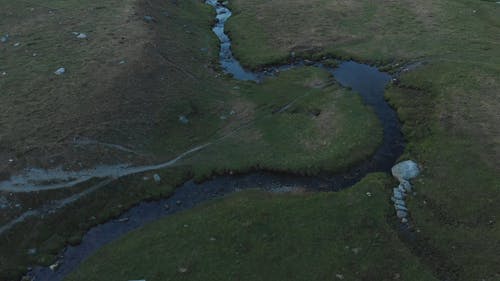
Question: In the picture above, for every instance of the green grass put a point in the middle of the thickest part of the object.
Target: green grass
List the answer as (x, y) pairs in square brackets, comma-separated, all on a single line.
[(297, 122), (52, 232), (168, 73), (449, 106), (254, 235)]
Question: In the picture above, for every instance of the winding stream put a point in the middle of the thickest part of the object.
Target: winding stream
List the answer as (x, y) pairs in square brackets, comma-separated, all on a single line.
[(364, 79)]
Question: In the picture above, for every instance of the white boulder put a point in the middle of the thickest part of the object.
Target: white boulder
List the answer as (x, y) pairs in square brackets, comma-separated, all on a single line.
[(405, 170)]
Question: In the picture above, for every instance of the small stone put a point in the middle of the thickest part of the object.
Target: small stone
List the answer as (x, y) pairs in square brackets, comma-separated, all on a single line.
[(356, 250), (17, 44), (5, 38), (4, 73), (212, 239), (183, 119), (157, 178), (123, 220), (404, 220), (60, 71), (178, 202), (186, 225), (149, 19), (122, 62), (32, 251), (400, 207), (369, 194), (54, 266), (405, 185), (401, 214), (339, 276), (232, 112), (166, 206), (397, 194), (183, 269), (82, 36)]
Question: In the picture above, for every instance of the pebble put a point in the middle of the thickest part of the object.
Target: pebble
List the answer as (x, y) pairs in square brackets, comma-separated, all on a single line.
[(157, 178), (17, 44), (82, 36), (401, 214), (178, 202), (60, 71), (5, 38), (183, 119), (149, 19)]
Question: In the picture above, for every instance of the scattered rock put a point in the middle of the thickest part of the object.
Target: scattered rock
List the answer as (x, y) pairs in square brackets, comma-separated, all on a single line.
[(178, 202), (400, 207), (397, 194), (123, 220), (405, 170), (401, 214), (398, 201), (212, 239), (405, 185), (5, 38), (157, 178), (54, 266), (82, 36), (356, 250), (183, 269), (32, 251), (369, 194), (149, 19), (60, 71), (339, 276), (183, 119), (17, 44)]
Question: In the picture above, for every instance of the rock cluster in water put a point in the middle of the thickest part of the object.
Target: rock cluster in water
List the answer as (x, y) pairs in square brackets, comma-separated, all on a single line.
[(404, 172)]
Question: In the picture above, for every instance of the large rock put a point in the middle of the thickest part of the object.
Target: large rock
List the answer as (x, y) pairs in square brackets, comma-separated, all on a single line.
[(405, 170)]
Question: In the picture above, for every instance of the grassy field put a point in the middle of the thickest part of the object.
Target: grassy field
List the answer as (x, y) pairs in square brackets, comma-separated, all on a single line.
[(127, 84), (254, 235), (449, 105), (298, 122)]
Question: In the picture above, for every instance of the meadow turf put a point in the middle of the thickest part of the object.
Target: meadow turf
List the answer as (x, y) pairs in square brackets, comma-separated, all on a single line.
[(127, 84), (254, 235), (449, 105)]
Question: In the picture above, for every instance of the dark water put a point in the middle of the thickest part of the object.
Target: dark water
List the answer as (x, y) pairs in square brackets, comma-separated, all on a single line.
[(364, 79)]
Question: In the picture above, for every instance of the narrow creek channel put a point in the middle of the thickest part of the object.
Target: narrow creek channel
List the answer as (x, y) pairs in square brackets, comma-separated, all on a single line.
[(366, 80)]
